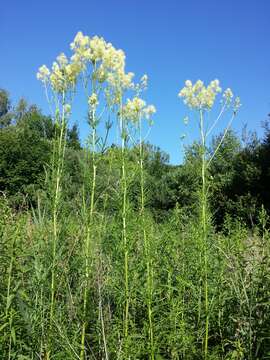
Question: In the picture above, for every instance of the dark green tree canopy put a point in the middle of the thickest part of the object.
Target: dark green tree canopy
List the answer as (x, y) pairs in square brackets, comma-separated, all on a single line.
[(5, 109)]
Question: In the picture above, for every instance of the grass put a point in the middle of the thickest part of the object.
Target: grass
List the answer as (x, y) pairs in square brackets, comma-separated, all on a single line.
[(166, 281)]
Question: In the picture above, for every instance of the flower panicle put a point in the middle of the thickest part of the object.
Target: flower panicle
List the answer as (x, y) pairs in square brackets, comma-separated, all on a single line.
[(137, 109), (63, 74), (201, 97), (107, 65)]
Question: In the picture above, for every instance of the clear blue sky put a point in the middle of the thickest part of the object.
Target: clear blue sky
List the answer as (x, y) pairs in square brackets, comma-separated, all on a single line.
[(169, 40)]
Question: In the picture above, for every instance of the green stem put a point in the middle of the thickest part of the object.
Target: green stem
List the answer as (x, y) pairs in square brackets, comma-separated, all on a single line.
[(88, 238), (58, 163), (204, 233), (124, 230), (146, 248)]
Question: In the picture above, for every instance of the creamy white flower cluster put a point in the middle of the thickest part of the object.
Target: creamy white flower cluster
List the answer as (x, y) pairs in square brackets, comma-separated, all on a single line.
[(93, 100), (136, 109), (228, 95), (97, 49), (102, 66), (62, 76), (199, 96), (228, 98), (120, 79), (108, 64)]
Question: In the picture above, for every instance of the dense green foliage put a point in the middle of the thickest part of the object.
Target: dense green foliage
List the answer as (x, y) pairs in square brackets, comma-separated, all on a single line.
[(25, 148), (240, 171), (166, 270)]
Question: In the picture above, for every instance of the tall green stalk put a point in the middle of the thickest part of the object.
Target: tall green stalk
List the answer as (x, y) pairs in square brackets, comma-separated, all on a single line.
[(89, 220), (59, 145), (57, 170), (204, 230), (149, 272), (201, 98), (124, 223)]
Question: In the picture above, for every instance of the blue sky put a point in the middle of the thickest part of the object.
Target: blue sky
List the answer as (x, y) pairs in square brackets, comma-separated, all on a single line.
[(171, 41)]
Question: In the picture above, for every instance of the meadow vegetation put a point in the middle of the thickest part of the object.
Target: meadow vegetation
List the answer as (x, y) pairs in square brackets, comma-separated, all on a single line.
[(110, 252)]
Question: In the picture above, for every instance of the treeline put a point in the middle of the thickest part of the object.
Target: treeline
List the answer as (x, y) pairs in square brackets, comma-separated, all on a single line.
[(240, 172)]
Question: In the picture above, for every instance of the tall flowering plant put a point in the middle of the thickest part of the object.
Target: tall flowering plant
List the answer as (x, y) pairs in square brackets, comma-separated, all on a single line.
[(104, 81), (59, 83), (135, 111), (201, 99)]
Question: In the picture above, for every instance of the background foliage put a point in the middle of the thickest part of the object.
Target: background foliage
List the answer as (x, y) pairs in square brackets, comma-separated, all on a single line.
[(238, 274)]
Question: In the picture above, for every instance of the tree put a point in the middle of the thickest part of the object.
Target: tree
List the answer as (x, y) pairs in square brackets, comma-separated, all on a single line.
[(23, 155), (223, 172), (5, 107), (73, 140)]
